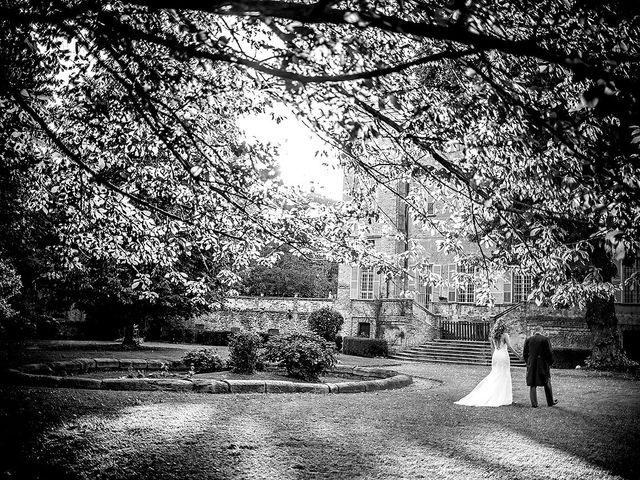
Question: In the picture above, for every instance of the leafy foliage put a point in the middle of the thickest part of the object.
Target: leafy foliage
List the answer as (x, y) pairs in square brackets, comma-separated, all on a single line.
[(326, 323), (244, 352), (364, 347), (12, 325), (156, 188), (10, 285), (520, 119), (204, 360), (305, 356), (291, 276)]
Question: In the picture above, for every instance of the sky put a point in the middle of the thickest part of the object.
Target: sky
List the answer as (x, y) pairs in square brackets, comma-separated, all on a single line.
[(297, 149)]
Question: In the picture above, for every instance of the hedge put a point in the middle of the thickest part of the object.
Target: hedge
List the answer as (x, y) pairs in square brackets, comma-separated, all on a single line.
[(569, 357), (364, 347)]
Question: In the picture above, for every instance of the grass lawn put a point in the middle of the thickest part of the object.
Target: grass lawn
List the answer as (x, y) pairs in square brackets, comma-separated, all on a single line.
[(414, 432)]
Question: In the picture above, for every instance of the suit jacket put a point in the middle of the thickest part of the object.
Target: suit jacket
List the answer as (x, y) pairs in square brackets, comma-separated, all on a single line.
[(539, 358)]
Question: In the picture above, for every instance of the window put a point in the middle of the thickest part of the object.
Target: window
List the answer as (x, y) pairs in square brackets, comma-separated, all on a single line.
[(466, 292), (429, 205), (366, 283), (521, 287), (425, 289), (452, 289), (631, 292), (517, 288), (428, 288), (507, 288)]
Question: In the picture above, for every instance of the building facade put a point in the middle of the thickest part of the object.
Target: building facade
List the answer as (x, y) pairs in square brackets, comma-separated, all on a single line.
[(407, 311)]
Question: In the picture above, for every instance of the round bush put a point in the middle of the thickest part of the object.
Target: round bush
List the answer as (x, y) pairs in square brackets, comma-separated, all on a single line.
[(305, 356), (244, 352), (204, 360), (326, 322)]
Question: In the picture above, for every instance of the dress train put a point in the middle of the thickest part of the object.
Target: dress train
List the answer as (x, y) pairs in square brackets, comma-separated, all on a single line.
[(495, 389)]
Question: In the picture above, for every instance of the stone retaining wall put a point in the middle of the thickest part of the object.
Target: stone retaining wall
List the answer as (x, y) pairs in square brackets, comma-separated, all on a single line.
[(566, 328), (54, 375), (259, 314)]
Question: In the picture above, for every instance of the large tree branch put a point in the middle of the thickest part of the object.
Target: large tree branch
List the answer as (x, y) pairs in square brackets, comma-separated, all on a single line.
[(193, 51), (319, 13)]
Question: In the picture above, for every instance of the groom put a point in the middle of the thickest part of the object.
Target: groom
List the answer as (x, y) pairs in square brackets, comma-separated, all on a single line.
[(538, 357)]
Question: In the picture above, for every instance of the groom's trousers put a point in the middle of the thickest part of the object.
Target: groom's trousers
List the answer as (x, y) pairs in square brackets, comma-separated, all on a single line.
[(533, 393)]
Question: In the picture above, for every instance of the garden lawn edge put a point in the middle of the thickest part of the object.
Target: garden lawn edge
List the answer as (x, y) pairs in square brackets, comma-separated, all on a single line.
[(55, 375)]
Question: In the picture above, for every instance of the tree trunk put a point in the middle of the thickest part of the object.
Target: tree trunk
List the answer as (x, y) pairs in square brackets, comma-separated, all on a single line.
[(607, 345), (129, 334), (601, 319)]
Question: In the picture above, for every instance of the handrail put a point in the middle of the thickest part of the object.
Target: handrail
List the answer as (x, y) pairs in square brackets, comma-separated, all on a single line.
[(504, 312), (426, 310)]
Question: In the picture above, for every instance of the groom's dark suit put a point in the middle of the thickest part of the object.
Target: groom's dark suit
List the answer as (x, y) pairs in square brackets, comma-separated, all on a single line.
[(539, 358)]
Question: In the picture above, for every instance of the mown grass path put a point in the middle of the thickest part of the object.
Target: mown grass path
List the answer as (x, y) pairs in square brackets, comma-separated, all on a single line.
[(415, 432)]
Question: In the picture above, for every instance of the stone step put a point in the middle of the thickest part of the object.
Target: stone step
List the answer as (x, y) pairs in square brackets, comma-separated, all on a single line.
[(457, 361), (447, 357), (447, 352), (453, 351), (447, 348), (460, 342), (441, 360), (450, 347)]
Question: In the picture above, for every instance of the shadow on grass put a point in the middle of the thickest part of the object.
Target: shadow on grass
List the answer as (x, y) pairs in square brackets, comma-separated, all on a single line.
[(190, 440), (406, 433), (560, 442)]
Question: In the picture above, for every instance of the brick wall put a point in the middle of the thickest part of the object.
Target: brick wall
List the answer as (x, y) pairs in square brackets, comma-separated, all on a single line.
[(566, 328), (463, 311), (391, 311), (403, 324)]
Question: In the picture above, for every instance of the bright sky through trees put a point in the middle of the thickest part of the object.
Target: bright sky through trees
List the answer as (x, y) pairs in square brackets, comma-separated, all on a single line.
[(297, 147)]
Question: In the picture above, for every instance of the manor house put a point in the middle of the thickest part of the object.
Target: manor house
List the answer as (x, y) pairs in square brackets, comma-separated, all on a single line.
[(406, 312)]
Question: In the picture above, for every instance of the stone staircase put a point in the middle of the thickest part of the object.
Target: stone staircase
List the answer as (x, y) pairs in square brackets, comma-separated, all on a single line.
[(467, 352)]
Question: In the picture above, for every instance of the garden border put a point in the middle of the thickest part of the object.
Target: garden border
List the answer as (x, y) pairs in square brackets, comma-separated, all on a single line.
[(54, 375)]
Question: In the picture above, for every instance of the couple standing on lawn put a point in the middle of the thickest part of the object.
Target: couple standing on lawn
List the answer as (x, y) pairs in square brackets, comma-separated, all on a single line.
[(495, 389)]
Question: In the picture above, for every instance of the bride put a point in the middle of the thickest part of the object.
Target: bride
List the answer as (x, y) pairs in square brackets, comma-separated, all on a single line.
[(495, 389)]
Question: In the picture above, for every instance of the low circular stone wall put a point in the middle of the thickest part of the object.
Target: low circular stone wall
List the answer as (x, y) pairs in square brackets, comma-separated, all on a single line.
[(55, 374)]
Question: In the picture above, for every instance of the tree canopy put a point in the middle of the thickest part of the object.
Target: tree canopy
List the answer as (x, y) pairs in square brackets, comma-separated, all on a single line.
[(523, 115)]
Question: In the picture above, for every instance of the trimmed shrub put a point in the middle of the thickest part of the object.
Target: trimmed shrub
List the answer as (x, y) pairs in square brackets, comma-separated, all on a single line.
[(326, 322), (303, 355), (244, 352), (364, 347), (204, 360)]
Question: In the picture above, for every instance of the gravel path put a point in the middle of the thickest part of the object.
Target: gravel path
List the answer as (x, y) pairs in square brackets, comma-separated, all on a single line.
[(414, 432)]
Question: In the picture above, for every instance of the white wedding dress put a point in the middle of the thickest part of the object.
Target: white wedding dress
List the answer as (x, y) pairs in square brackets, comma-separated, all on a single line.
[(495, 389)]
